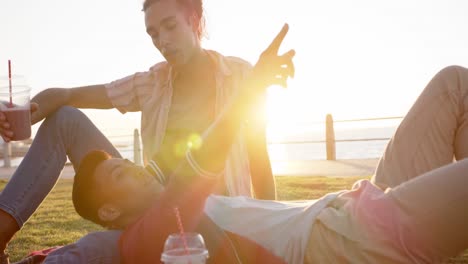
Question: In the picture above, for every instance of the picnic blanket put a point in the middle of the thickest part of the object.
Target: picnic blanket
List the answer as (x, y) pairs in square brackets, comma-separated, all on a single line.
[(37, 257)]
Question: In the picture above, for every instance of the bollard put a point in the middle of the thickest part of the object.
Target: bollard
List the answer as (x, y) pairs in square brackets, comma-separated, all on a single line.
[(136, 147), (6, 154), (330, 138)]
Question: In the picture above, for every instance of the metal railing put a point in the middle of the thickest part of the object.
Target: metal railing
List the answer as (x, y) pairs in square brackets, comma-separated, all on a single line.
[(330, 133), (330, 140)]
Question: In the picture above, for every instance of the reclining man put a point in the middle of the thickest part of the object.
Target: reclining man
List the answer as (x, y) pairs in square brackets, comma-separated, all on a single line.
[(414, 209)]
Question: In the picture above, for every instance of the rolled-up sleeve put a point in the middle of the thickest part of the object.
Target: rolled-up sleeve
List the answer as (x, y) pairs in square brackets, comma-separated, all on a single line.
[(126, 93)]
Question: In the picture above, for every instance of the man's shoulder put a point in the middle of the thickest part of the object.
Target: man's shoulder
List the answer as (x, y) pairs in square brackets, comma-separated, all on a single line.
[(233, 62), (159, 66), (237, 61)]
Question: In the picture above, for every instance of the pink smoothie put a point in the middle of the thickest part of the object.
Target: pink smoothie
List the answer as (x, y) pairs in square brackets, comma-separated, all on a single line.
[(20, 122)]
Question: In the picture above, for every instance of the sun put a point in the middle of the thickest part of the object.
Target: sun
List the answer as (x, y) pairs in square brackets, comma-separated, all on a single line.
[(299, 107), (282, 110), (288, 107)]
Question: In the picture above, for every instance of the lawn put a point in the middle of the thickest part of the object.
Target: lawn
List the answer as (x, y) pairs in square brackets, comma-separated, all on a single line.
[(56, 223)]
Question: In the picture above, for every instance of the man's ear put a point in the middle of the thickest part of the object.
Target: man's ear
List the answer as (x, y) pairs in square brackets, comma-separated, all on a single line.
[(109, 212), (192, 20)]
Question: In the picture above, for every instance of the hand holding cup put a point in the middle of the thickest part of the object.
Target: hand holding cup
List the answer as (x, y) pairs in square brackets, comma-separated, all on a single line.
[(15, 110)]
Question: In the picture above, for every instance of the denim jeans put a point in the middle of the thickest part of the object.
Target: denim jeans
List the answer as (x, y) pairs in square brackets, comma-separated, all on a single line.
[(67, 132), (94, 248)]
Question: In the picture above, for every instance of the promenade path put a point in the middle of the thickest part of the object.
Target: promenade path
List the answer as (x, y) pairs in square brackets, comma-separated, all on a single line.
[(330, 168), (338, 168)]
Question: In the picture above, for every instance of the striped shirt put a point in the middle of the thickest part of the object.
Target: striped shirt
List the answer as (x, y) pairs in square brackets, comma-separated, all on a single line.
[(151, 92)]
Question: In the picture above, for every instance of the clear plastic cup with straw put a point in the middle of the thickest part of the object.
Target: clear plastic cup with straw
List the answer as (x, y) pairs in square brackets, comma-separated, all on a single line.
[(175, 251), (184, 248), (15, 104)]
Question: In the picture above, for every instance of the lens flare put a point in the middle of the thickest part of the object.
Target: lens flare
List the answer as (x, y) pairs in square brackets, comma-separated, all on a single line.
[(193, 141)]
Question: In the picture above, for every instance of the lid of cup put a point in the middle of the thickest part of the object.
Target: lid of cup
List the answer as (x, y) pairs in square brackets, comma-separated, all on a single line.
[(180, 255), (16, 90)]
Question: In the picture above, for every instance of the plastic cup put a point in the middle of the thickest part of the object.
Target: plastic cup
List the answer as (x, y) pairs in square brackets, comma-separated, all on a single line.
[(176, 253), (17, 109)]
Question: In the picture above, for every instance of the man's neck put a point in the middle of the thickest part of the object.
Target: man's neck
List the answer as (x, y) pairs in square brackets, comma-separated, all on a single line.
[(129, 217), (196, 67)]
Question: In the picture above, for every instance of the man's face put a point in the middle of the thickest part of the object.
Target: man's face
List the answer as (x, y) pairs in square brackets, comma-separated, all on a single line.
[(171, 31), (129, 187)]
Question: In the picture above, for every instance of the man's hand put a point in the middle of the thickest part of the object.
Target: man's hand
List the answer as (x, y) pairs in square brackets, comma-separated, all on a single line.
[(5, 126), (272, 68)]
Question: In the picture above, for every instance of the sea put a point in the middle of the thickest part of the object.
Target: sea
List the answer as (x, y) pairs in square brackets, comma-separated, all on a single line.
[(361, 139), (308, 141)]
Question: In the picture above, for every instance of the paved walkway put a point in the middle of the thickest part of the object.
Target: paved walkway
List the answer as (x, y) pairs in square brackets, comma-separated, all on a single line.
[(67, 172), (338, 168)]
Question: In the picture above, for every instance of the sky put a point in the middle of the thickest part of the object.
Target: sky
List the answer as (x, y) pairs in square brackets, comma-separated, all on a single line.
[(354, 59)]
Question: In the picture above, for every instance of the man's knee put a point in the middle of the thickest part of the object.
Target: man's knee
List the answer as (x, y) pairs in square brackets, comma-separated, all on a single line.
[(454, 73), (65, 113), (452, 81), (65, 117)]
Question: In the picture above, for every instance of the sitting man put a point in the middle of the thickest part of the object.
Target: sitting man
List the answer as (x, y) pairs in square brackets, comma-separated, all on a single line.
[(420, 216), (270, 69)]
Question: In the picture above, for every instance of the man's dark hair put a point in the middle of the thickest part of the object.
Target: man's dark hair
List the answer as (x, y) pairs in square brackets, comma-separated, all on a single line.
[(85, 194), (190, 5)]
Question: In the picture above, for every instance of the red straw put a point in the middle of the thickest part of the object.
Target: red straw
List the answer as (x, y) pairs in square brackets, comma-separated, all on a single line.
[(181, 230), (9, 80)]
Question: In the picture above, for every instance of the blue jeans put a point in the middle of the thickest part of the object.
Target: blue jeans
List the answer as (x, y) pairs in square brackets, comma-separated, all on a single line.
[(67, 132), (94, 248)]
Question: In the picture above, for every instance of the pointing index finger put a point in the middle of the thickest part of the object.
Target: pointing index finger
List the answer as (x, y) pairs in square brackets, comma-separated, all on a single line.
[(276, 43)]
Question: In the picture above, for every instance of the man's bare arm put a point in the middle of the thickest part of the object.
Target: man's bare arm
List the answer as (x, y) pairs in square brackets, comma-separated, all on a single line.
[(263, 181), (270, 69), (49, 100)]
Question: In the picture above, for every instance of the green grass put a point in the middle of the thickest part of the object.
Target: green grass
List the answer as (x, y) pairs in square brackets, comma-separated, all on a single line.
[(56, 223)]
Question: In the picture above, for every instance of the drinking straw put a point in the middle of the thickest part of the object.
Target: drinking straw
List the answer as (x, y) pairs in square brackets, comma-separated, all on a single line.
[(9, 81), (181, 230)]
